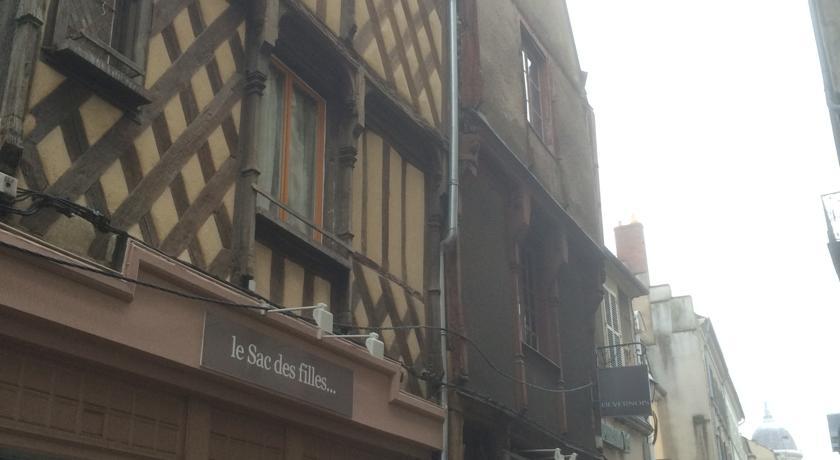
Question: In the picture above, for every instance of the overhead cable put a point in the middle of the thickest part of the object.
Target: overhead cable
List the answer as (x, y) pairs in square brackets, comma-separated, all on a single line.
[(101, 222), (117, 276), (480, 353)]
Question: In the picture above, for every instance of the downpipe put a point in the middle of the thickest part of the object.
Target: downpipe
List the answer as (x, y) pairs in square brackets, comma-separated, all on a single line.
[(452, 214)]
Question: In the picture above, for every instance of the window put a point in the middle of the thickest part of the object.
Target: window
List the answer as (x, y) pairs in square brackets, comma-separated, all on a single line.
[(723, 448), (293, 164), (527, 304), (533, 64), (612, 330), (717, 396), (102, 42)]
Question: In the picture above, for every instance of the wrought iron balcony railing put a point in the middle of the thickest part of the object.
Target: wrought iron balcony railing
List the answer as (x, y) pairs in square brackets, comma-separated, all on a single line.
[(622, 355)]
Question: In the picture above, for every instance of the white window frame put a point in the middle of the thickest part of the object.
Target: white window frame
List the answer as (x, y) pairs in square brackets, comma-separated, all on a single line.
[(612, 327)]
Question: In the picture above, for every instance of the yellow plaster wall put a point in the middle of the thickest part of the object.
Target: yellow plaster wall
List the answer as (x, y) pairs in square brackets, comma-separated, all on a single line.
[(293, 275), (157, 60), (397, 23), (415, 225), (99, 117), (391, 39), (44, 81), (322, 291), (54, 155), (373, 205), (262, 269), (406, 241), (395, 228), (210, 240), (406, 225)]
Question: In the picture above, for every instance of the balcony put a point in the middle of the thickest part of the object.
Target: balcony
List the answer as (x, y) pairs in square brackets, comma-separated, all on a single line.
[(831, 208), (624, 383), (621, 355)]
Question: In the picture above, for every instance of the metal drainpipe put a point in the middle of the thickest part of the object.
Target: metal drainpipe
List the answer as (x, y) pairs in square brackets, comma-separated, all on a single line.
[(452, 225)]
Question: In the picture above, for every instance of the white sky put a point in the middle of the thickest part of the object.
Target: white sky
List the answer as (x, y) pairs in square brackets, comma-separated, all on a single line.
[(713, 132)]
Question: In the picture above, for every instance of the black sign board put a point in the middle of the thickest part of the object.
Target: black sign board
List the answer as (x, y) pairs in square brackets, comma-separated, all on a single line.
[(276, 364), (624, 391)]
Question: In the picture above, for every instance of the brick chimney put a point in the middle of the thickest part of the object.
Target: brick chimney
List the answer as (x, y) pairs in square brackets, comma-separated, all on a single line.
[(630, 248)]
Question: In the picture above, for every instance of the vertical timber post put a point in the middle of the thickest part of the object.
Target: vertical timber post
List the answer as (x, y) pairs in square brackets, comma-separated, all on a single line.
[(350, 128), (245, 196), (29, 18)]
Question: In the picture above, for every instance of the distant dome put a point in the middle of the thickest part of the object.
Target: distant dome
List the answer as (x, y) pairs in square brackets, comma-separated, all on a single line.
[(776, 438)]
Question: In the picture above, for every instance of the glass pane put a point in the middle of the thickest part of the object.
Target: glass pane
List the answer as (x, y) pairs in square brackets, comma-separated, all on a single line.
[(531, 71), (525, 79), (87, 21), (302, 153), (270, 141), (534, 92), (92, 17), (124, 33)]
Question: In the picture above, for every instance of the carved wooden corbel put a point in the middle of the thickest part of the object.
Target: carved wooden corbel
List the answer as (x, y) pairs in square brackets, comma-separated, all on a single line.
[(350, 127)]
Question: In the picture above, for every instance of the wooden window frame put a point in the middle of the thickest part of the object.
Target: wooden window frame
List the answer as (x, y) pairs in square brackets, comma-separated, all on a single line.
[(291, 81), (526, 299), (121, 84), (533, 52)]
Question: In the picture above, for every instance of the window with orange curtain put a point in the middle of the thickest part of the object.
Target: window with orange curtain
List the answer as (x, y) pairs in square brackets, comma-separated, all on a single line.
[(293, 168)]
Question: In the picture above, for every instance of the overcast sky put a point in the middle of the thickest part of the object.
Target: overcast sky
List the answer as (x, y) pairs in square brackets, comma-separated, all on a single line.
[(713, 132)]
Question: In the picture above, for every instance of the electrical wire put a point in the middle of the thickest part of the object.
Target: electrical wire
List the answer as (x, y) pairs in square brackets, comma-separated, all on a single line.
[(480, 352), (270, 306), (102, 223), (421, 375), (520, 415), (117, 276), (61, 205)]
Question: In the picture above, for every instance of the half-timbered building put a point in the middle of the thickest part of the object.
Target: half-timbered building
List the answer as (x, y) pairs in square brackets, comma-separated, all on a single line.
[(179, 173), (525, 280), (186, 167)]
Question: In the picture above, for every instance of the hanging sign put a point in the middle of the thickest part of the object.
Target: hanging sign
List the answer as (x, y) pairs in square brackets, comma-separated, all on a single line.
[(624, 391), (275, 363)]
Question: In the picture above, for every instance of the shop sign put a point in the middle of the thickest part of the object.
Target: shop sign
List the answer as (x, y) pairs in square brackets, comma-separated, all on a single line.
[(624, 391), (275, 363)]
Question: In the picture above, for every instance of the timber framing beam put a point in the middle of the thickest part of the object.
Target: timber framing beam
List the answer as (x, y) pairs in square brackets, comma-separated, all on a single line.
[(29, 18), (245, 199)]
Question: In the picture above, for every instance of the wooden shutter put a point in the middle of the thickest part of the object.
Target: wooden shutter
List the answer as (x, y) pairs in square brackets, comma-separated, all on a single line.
[(102, 42)]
